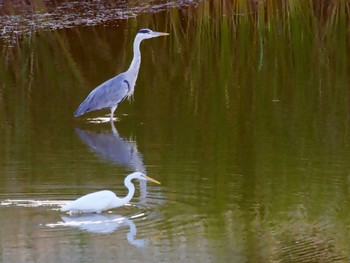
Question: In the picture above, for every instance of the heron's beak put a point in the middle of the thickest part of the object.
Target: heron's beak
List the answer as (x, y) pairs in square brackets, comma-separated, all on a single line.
[(152, 180), (158, 34)]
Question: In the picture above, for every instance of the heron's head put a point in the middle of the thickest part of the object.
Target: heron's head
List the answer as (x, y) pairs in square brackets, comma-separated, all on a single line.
[(148, 33), (141, 176)]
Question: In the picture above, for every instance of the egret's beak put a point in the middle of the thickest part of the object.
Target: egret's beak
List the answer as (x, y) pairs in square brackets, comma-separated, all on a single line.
[(158, 34), (152, 180)]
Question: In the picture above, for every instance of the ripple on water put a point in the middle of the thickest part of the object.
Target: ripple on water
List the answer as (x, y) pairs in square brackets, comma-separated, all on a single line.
[(106, 222), (31, 203), (169, 217), (301, 241)]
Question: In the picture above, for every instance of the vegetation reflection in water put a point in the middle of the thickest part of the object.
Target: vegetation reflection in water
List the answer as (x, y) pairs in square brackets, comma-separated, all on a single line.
[(253, 116)]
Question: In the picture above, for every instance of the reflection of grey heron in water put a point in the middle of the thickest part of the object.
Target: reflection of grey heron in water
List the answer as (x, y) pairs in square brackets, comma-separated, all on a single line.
[(117, 150), (114, 148), (105, 224)]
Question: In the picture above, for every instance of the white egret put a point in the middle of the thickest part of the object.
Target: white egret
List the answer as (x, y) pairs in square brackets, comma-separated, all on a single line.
[(105, 199)]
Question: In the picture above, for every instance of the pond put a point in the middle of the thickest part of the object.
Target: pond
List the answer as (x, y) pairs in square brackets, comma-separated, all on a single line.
[(242, 113)]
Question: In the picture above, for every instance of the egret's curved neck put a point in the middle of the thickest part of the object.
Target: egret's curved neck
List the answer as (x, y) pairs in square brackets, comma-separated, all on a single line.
[(131, 188)]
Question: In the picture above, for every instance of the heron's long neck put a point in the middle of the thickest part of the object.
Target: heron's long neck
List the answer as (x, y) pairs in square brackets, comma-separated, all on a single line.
[(131, 190), (135, 63)]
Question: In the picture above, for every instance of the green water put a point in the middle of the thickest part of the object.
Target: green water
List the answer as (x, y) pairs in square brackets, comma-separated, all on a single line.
[(242, 113)]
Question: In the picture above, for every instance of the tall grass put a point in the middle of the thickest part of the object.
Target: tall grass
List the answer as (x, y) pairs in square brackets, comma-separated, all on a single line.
[(267, 86)]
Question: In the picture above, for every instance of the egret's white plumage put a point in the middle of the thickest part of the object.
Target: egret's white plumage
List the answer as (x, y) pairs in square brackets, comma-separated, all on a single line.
[(105, 199)]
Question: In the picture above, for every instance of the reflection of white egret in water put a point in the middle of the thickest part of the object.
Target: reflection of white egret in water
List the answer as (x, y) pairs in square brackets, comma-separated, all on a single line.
[(105, 224), (117, 150), (104, 200)]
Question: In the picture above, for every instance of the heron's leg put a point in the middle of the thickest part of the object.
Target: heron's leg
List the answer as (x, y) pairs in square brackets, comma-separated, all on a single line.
[(114, 130), (111, 115), (112, 112)]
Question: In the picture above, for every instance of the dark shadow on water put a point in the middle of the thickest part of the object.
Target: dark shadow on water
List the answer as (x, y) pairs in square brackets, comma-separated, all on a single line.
[(18, 19)]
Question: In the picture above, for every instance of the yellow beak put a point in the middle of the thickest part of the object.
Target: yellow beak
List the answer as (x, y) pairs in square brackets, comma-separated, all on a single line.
[(162, 34), (152, 180)]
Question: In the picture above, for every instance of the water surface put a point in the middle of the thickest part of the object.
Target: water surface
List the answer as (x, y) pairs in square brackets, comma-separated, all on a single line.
[(242, 113)]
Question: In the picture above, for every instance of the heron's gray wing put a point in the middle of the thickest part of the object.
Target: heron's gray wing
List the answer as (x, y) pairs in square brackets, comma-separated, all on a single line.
[(117, 90), (106, 95)]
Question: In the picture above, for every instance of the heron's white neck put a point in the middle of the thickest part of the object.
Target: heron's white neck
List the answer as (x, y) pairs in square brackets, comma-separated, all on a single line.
[(135, 63)]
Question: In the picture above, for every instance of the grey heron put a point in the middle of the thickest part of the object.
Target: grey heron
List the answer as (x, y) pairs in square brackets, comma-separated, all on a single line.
[(113, 91), (104, 200)]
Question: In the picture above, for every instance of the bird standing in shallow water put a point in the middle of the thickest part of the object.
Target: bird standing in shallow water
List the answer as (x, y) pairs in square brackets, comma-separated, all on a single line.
[(112, 92), (105, 199)]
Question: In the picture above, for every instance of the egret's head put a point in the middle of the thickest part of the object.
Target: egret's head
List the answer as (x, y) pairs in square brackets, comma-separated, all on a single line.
[(141, 176), (148, 33)]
